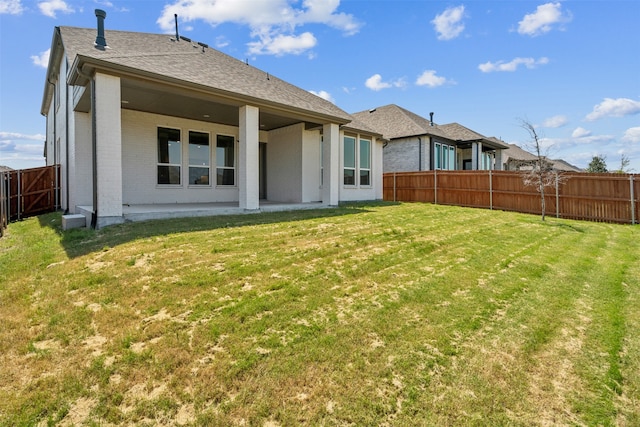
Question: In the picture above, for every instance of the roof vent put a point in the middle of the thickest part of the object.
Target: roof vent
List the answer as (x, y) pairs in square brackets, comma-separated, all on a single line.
[(175, 16), (431, 119), (101, 42)]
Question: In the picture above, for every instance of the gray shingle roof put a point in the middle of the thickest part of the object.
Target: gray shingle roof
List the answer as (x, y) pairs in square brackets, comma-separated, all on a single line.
[(161, 55), (393, 121), (457, 132), (517, 153)]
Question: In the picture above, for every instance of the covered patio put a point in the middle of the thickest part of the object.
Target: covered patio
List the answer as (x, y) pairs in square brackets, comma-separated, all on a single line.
[(146, 212)]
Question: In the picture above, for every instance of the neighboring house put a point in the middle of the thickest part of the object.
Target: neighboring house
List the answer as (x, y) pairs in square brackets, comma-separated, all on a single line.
[(5, 168), (148, 119), (517, 159), (416, 143), (564, 166)]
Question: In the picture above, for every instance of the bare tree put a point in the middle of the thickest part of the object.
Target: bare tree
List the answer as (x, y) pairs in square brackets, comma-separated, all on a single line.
[(542, 175), (624, 164)]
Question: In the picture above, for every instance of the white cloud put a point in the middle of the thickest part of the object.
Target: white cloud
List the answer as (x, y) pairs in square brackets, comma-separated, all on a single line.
[(18, 150), (429, 78), (375, 83), (449, 24), (324, 95), (11, 7), (555, 121), (8, 136), (614, 108), (51, 7), (580, 133), (41, 60), (632, 135), (280, 44), (543, 19), (272, 22), (512, 65)]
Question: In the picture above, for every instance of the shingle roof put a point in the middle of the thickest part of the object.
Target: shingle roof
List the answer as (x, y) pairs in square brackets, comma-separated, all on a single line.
[(515, 152), (161, 55), (457, 132), (393, 121), (563, 165)]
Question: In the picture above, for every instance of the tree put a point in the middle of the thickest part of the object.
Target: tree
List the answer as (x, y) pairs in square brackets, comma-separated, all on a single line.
[(598, 164), (624, 164), (542, 175)]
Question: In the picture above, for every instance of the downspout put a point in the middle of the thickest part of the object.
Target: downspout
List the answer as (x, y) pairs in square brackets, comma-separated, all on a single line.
[(55, 132), (94, 156), (66, 151), (419, 154)]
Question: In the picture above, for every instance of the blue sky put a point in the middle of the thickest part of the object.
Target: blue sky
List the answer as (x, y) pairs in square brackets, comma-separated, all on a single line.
[(571, 68)]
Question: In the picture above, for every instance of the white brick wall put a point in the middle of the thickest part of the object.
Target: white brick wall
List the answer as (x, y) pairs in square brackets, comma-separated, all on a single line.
[(140, 160)]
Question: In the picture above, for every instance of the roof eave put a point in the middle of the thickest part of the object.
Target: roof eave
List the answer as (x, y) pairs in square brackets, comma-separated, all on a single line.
[(56, 53), (84, 65)]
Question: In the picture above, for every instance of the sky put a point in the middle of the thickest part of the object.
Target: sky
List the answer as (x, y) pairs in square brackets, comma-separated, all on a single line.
[(569, 68)]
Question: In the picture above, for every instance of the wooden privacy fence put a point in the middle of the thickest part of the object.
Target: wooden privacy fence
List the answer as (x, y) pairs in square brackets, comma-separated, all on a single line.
[(595, 197), (28, 192)]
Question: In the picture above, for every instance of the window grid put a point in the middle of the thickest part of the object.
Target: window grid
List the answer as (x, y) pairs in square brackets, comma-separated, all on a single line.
[(199, 155), (169, 157)]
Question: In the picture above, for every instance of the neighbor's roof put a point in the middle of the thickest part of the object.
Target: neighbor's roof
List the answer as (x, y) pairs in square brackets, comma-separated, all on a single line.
[(163, 57), (517, 153), (393, 121), (457, 132), (563, 165)]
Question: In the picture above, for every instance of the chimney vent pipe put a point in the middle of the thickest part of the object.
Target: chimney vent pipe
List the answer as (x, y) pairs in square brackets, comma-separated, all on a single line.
[(431, 119), (101, 42), (175, 17)]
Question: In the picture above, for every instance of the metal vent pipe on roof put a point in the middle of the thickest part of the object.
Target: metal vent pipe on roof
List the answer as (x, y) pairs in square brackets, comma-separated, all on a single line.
[(175, 17), (431, 119), (101, 42)]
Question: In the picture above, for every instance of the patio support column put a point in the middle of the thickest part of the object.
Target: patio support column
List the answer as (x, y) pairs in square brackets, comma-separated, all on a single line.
[(107, 128), (474, 156), (248, 180), (498, 159), (331, 164)]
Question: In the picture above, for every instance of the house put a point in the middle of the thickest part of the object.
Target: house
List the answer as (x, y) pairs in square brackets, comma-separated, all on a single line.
[(517, 159), (141, 120), (415, 143)]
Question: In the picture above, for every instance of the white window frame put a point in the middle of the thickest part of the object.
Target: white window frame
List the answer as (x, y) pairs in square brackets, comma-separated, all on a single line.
[(354, 167), (444, 156), (168, 164), (224, 167), (192, 165), (359, 164)]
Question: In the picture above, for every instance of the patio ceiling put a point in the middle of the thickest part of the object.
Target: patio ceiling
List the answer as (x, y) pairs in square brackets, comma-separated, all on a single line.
[(150, 97)]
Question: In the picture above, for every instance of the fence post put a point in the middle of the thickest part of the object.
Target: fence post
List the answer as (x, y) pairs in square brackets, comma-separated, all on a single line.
[(557, 196), (435, 186), (633, 200), (490, 190), (19, 206)]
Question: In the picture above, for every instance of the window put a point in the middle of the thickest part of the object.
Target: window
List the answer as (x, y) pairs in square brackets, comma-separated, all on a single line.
[(452, 157), (365, 162), (349, 160), (199, 155), (169, 156), (487, 161), (444, 156), (225, 160)]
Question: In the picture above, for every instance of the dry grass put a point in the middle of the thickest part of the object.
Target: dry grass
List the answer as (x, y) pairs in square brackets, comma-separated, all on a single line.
[(363, 315)]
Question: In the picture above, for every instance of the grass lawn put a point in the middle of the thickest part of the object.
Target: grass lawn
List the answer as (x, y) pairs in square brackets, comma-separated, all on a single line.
[(367, 314)]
